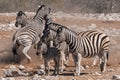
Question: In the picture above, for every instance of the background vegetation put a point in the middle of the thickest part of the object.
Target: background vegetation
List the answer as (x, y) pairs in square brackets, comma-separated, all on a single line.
[(83, 6)]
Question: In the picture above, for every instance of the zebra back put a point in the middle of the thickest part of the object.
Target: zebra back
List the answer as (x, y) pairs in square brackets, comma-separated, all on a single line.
[(91, 42)]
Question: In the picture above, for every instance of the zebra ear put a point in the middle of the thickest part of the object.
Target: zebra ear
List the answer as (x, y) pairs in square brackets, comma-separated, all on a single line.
[(59, 30), (20, 13), (49, 10)]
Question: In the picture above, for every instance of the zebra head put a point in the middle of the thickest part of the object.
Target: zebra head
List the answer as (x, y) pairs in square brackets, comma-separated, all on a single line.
[(42, 12), (48, 35), (60, 36), (40, 48), (21, 19)]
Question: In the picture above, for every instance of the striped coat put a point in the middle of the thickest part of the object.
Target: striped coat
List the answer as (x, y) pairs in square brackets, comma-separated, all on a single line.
[(89, 45), (30, 33)]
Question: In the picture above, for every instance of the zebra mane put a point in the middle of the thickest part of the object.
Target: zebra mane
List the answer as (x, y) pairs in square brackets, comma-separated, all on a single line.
[(57, 26), (44, 14), (40, 8)]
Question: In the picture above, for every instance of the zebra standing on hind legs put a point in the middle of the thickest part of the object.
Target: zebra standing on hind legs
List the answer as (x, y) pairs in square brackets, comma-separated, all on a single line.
[(31, 32), (86, 46), (21, 20)]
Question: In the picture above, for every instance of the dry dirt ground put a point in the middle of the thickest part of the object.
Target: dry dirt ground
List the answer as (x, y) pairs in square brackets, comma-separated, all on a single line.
[(6, 56)]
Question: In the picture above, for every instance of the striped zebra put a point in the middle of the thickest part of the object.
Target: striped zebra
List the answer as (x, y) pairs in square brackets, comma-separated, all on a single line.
[(85, 46), (49, 34), (63, 47), (89, 33), (30, 33), (48, 54), (21, 20)]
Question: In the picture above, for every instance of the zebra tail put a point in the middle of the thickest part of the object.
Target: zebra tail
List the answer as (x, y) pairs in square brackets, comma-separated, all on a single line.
[(107, 55), (14, 48)]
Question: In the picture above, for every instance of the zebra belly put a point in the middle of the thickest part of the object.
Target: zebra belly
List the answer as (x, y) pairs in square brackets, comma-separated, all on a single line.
[(25, 40)]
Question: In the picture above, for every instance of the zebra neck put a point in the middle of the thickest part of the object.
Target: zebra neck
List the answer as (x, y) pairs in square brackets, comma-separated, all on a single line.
[(39, 19)]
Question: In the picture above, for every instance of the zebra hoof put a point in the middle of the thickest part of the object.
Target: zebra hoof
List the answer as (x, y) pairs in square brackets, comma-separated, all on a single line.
[(46, 74), (76, 74), (61, 71), (55, 73), (29, 61)]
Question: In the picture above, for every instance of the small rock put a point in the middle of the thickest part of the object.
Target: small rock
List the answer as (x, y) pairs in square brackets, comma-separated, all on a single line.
[(96, 73), (45, 79), (116, 77), (35, 77), (41, 67), (41, 72), (8, 78), (21, 67), (110, 70), (10, 73), (73, 78), (51, 67), (86, 67), (12, 67), (82, 68), (13, 71)]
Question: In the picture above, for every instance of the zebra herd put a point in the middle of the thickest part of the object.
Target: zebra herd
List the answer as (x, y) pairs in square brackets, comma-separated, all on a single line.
[(55, 42)]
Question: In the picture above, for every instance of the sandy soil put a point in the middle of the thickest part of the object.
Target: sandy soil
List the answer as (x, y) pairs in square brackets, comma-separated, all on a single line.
[(6, 56)]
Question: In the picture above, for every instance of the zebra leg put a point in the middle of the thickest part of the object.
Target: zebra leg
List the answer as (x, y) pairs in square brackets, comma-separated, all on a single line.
[(58, 62), (25, 52), (62, 58), (46, 66), (56, 65), (66, 60), (51, 43), (14, 50), (95, 60), (77, 60), (103, 62)]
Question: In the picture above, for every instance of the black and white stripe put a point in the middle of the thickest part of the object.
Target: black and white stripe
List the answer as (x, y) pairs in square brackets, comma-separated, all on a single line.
[(49, 36), (89, 44), (30, 33), (48, 54)]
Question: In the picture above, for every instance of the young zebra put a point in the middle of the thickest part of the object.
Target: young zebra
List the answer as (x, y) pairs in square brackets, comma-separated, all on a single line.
[(49, 53), (30, 33), (85, 46), (48, 38)]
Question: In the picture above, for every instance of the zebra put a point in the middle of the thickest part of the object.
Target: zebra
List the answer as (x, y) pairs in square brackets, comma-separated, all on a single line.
[(48, 53), (48, 38), (85, 46), (88, 33), (63, 47), (31, 32), (50, 33)]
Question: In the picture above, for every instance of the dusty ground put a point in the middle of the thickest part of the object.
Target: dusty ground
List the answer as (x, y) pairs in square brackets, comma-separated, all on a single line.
[(6, 56)]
